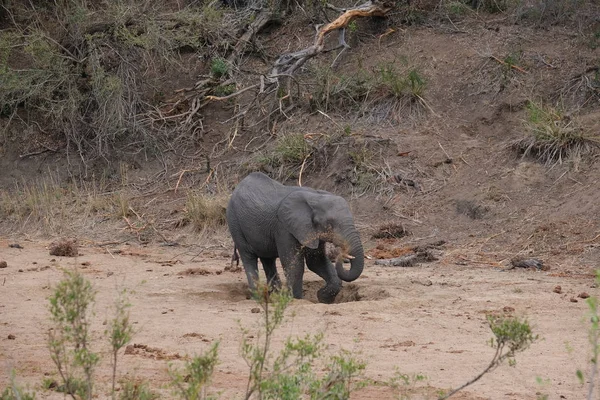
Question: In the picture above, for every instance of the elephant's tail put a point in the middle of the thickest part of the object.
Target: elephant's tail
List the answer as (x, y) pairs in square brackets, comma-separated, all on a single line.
[(235, 257)]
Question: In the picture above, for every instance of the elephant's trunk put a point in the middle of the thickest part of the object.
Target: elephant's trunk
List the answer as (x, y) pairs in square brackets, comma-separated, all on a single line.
[(355, 249)]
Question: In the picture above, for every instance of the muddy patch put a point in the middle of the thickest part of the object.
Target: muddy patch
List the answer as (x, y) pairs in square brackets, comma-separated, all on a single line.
[(350, 292), (233, 292)]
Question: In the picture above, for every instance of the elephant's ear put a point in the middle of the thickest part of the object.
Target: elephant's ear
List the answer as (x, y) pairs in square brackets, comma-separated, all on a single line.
[(296, 215)]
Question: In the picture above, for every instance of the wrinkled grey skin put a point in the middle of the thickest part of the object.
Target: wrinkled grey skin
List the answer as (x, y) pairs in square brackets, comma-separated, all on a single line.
[(268, 220)]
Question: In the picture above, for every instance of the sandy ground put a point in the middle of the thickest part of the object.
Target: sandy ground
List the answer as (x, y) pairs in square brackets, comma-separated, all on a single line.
[(427, 319)]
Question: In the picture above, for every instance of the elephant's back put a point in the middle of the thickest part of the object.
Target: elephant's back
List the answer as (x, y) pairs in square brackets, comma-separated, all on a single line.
[(257, 190)]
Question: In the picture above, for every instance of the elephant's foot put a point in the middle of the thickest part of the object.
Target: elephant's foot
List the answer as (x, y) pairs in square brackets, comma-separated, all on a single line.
[(327, 293)]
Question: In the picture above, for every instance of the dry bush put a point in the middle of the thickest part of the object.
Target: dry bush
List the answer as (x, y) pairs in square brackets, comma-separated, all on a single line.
[(64, 248), (471, 209), (390, 231), (91, 72)]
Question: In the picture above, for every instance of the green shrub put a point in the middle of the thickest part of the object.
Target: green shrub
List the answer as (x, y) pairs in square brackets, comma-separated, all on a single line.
[(137, 390), (70, 337), (192, 382), (291, 373), (219, 68)]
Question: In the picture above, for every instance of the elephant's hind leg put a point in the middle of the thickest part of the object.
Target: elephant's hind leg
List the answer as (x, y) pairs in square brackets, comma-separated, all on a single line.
[(250, 263), (271, 273)]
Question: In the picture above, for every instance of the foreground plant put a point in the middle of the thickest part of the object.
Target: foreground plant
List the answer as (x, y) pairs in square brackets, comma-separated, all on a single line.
[(15, 392), (594, 337), (511, 336), (69, 342), (192, 382), (291, 374), (120, 332)]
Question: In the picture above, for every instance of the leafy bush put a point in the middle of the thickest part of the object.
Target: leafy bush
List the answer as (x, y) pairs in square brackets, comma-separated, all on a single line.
[(70, 337), (219, 67), (192, 382), (291, 374)]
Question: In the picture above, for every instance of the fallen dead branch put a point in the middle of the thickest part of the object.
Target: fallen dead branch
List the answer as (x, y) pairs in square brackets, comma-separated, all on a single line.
[(273, 94)]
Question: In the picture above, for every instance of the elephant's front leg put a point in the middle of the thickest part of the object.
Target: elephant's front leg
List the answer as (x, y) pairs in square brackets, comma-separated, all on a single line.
[(317, 261), (292, 260)]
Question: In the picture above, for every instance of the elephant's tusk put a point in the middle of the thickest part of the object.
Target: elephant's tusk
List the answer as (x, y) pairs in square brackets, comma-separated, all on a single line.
[(349, 257)]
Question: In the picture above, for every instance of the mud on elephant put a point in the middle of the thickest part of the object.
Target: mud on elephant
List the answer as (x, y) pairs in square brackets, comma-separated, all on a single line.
[(268, 220)]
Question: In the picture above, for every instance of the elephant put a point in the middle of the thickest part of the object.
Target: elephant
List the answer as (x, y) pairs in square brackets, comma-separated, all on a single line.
[(269, 220)]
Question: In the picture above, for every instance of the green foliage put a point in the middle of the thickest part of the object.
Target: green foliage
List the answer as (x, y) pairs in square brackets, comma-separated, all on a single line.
[(15, 392), (70, 337), (89, 87), (219, 68), (224, 90), (120, 332), (553, 136), (291, 373), (338, 92), (353, 26), (289, 153), (456, 9), (363, 91), (410, 83), (44, 83), (511, 336), (136, 391), (191, 383), (402, 383), (594, 338), (292, 148), (549, 11), (496, 6)]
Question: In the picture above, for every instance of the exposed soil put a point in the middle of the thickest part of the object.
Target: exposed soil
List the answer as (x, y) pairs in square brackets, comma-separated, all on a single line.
[(453, 177), (428, 319)]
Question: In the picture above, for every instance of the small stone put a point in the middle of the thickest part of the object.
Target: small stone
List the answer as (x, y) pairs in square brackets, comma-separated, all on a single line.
[(164, 312), (34, 263), (20, 270), (508, 309), (573, 300), (86, 263), (11, 337), (3, 264), (255, 310), (109, 273), (583, 295), (557, 289)]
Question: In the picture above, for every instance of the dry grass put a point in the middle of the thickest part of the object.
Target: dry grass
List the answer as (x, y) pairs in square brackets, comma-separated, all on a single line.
[(553, 136), (204, 211)]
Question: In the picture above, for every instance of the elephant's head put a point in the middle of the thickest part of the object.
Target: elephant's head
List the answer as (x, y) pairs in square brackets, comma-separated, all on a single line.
[(313, 216)]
